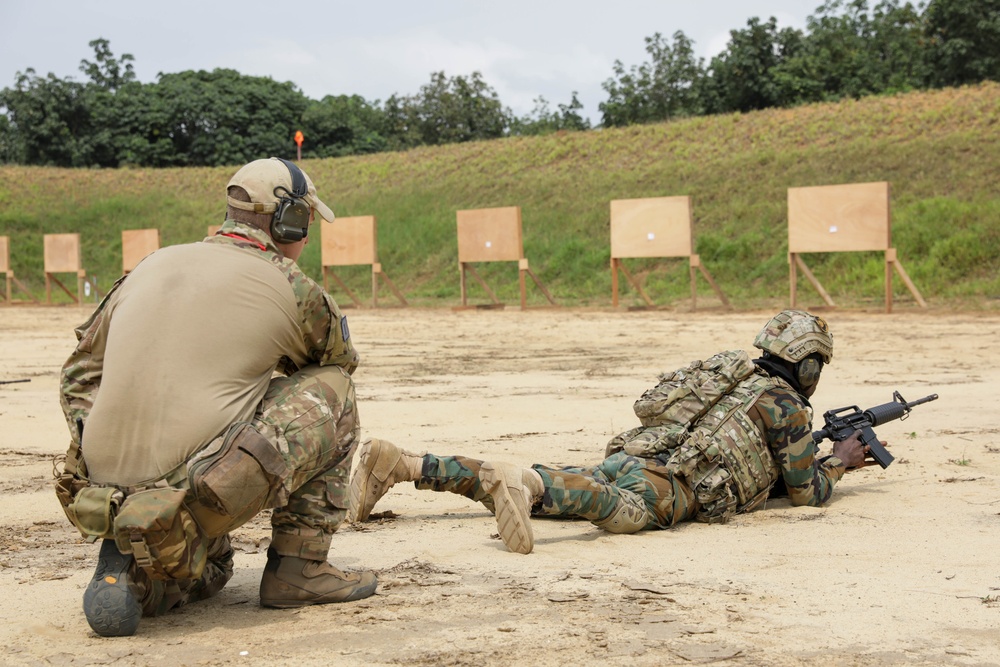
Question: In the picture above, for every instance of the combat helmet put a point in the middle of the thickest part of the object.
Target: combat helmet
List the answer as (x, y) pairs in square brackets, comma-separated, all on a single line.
[(795, 334)]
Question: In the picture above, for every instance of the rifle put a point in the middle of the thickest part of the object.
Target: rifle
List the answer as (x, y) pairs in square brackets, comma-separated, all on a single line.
[(14, 381), (841, 423)]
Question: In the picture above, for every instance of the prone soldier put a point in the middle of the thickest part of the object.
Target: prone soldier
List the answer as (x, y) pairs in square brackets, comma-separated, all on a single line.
[(718, 437)]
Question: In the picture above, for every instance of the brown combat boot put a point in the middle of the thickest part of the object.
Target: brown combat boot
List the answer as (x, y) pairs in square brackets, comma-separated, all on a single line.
[(289, 581), (380, 465), (514, 491)]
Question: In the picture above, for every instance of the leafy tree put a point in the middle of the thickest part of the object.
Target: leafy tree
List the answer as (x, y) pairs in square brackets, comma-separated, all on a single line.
[(50, 119), (218, 118), (543, 121), (852, 51), (59, 122), (665, 87), (9, 145), (965, 41), (109, 101), (107, 71), (446, 110), (343, 125), (748, 74)]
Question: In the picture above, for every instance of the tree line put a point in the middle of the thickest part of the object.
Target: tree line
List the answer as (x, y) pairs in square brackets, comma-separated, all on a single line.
[(222, 117)]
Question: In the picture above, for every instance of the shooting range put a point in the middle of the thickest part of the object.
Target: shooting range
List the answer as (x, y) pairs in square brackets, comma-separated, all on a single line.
[(62, 255), (842, 218), (353, 242), (8, 272), (136, 244), (493, 235), (654, 227)]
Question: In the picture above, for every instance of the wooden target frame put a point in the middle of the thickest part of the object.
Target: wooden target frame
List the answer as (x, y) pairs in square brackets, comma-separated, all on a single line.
[(493, 235), (353, 242), (655, 227), (136, 245), (62, 255), (9, 278), (854, 217)]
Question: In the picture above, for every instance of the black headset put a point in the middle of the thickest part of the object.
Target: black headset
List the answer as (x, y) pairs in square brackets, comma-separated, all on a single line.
[(291, 218), (807, 371)]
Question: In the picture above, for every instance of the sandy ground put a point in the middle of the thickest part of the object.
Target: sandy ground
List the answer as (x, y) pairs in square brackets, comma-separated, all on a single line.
[(901, 568)]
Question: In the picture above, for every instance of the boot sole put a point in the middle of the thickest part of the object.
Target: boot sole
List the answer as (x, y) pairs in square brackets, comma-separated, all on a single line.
[(109, 602), (503, 482)]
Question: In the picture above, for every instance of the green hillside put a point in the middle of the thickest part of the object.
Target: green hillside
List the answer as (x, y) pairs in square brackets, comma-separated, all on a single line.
[(939, 150)]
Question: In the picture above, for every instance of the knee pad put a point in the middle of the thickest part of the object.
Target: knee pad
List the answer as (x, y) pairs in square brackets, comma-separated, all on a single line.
[(626, 517)]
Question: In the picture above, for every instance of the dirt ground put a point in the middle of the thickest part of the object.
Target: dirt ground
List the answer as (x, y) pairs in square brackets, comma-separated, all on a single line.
[(902, 567)]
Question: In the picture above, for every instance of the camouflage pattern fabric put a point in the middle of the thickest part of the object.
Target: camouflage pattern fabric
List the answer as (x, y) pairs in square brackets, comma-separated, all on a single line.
[(759, 432), (161, 534), (592, 493), (157, 597), (685, 395), (795, 334), (311, 418), (454, 474), (575, 492), (786, 422)]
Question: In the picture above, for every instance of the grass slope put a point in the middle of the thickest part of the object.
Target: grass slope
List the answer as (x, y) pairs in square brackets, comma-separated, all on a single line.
[(939, 150)]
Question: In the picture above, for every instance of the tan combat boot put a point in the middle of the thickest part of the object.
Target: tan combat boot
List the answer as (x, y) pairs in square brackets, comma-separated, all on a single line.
[(514, 491), (290, 581), (380, 465)]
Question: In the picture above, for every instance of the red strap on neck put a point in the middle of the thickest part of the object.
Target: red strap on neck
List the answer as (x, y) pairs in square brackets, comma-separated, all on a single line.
[(243, 238)]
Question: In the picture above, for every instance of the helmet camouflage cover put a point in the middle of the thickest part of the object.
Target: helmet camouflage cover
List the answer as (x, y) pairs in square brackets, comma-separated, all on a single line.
[(795, 334)]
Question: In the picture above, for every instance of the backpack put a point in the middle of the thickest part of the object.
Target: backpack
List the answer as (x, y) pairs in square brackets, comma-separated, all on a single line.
[(670, 410)]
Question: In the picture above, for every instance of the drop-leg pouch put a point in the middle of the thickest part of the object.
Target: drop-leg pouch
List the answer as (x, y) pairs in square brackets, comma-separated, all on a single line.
[(242, 478)]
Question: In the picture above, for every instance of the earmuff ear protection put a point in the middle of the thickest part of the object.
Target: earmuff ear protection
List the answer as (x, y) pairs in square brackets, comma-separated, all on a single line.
[(291, 218), (807, 371)]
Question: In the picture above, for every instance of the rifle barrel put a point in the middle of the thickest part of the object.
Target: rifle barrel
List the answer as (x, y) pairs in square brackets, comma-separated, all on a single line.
[(921, 401)]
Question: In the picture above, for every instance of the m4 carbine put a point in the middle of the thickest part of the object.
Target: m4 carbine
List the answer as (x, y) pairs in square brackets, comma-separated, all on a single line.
[(841, 423)]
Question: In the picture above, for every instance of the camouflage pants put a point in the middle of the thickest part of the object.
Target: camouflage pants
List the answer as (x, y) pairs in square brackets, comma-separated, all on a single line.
[(309, 417), (157, 597), (590, 493)]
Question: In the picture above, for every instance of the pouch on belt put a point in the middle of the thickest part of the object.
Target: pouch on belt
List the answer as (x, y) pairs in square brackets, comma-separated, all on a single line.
[(234, 484), (159, 531)]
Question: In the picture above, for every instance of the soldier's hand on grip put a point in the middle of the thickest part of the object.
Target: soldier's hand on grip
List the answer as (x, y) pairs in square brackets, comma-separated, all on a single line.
[(852, 452)]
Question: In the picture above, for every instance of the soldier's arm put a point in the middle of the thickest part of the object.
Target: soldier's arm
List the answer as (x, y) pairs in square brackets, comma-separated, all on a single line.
[(324, 328), (80, 377), (809, 480)]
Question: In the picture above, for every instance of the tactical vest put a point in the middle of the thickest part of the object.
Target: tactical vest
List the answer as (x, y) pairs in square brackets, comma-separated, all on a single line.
[(696, 421)]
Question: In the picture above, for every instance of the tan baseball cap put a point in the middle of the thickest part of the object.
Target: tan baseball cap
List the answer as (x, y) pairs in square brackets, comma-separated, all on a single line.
[(260, 178)]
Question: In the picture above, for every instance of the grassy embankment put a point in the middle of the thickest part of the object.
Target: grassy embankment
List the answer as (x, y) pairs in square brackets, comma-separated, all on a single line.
[(940, 151)]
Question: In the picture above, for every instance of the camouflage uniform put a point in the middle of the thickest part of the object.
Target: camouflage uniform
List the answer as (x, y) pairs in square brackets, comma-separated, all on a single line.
[(307, 414), (663, 486)]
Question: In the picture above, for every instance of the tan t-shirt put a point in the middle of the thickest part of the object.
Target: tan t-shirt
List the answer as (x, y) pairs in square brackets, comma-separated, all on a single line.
[(188, 342)]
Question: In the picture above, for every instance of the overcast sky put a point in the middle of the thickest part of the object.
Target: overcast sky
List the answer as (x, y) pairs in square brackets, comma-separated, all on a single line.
[(523, 48)]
